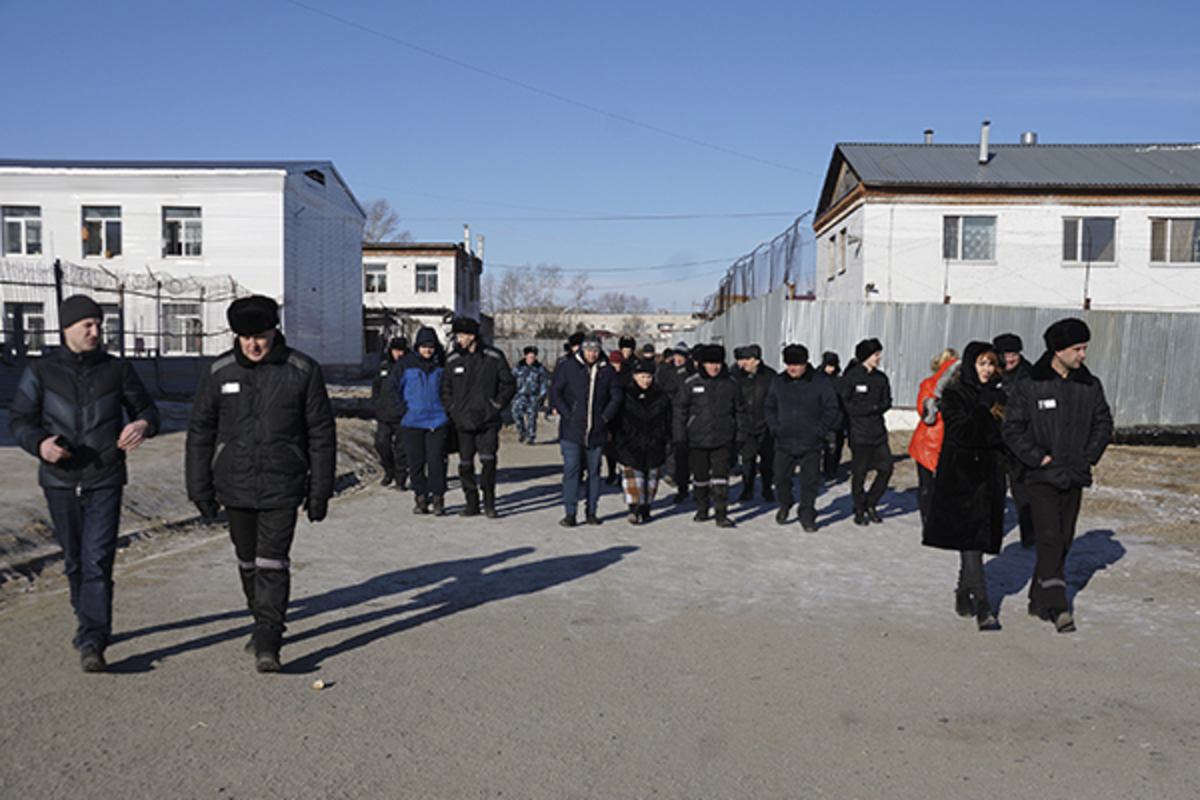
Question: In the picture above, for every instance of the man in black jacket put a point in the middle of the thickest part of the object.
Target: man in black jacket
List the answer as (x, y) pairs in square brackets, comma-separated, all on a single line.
[(389, 441), (867, 395), (754, 379), (709, 421), (1008, 347), (672, 372), (1058, 424), (476, 387), (262, 441), (800, 409), (69, 412)]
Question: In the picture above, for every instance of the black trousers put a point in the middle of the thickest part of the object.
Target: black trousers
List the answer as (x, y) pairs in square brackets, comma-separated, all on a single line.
[(1020, 496), (810, 482), (755, 448), (832, 457), (679, 466), (925, 481), (262, 540), (389, 444), (1054, 512), (426, 460), (710, 473), (867, 458), (486, 443)]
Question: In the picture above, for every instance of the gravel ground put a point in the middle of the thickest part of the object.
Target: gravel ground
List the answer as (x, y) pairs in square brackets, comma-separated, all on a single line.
[(511, 657)]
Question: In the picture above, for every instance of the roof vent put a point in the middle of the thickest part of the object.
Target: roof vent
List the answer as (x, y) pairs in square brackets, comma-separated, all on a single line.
[(1028, 137), (929, 136), (983, 142)]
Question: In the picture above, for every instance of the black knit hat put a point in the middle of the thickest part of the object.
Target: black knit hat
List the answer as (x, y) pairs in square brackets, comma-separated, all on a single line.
[(795, 354), (465, 325), (77, 307), (1066, 333), (426, 336), (627, 341), (1008, 343), (249, 316), (867, 348)]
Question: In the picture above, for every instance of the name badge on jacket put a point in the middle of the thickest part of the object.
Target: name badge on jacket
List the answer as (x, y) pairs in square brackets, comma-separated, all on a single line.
[(861, 388), (697, 390), (459, 370), (1049, 402), (232, 387)]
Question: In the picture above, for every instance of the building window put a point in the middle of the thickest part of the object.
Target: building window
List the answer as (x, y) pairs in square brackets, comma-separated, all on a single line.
[(1175, 241), (111, 325), (22, 230), (1090, 240), (184, 328), (427, 278), (831, 259), (24, 327), (181, 231), (376, 278), (101, 231), (969, 238)]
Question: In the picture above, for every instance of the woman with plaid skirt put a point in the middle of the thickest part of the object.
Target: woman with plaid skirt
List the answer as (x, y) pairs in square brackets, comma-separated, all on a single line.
[(641, 441)]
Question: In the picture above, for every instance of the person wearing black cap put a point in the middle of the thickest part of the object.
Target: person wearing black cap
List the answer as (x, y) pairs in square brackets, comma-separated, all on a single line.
[(835, 439), (754, 379), (262, 442), (532, 382), (641, 439), (1058, 425), (1008, 347), (69, 412), (477, 387), (867, 395), (416, 392), (800, 408), (670, 376), (709, 421), (628, 346), (389, 443)]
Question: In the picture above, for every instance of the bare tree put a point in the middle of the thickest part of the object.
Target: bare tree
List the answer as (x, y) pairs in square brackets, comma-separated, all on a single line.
[(382, 223)]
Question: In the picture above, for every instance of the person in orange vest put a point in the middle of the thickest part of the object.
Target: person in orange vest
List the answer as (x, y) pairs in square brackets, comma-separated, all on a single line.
[(927, 438)]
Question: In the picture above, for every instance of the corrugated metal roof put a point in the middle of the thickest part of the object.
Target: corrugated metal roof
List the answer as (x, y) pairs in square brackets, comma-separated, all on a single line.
[(1082, 166)]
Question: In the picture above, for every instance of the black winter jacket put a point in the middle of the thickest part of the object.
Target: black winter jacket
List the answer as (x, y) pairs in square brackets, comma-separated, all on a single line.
[(381, 397), (477, 387), (261, 435), (800, 411), (670, 378), (710, 412), (84, 398), (645, 429), (755, 386), (866, 396), (1065, 418)]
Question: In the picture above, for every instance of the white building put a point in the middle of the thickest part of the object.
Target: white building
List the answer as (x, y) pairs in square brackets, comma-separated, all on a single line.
[(287, 229), (1072, 226), (408, 284)]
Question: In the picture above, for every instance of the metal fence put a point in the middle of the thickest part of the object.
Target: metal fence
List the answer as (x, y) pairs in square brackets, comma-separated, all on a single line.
[(1142, 358), (779, 263)]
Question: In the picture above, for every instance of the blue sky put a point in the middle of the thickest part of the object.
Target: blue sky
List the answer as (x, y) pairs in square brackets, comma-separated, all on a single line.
[(521, 118)]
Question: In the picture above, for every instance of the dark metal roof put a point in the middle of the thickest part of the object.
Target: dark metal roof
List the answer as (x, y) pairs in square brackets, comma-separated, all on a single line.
[(1143, 166)]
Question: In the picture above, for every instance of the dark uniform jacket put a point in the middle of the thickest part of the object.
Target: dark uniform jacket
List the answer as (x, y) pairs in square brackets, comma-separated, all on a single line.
[(670, 378), (84, 398), (261, 435), (587, 399), (476, 387), (800, 411), (866, 396), (381, 398), (641, 442), (1065, 418), (755, 386), (710, 412)]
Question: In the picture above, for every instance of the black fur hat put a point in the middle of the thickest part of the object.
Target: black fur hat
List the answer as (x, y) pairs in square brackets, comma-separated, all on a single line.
[(465, 325), (1008, 343), (1066, 333), (795, 354), (249, 316)]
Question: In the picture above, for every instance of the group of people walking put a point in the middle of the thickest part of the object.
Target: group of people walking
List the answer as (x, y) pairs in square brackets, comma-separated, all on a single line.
[(261, 443)]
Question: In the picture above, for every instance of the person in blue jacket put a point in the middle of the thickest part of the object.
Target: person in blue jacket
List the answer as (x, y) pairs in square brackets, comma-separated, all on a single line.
[(587, 396), (416, 392)]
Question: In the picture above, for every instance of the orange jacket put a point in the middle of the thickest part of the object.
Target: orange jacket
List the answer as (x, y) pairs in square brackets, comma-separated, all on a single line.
[(926, 441)]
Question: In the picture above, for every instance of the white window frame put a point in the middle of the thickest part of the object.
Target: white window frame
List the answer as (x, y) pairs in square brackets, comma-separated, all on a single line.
[(19, 222), (953, 251), (1165, 240), (183, 328), (425, 272), (1076, 255), (187, 225), (375, 278), (103, 222)]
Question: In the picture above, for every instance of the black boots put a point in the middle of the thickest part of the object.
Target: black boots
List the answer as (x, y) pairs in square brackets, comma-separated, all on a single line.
[(422, 506), (489, 502), (471, 509), (720, 495), (439, 505), (635, 514), (701, 493)]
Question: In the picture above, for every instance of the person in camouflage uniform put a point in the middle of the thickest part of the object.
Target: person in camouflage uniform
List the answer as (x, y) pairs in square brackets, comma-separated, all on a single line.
[(533, 381)]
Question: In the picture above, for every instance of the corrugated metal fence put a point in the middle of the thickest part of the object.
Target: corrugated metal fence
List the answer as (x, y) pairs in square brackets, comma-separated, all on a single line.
[(1146, 360)]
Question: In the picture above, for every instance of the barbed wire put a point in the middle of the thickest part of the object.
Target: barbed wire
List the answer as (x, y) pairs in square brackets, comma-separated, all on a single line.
[(771, 265)]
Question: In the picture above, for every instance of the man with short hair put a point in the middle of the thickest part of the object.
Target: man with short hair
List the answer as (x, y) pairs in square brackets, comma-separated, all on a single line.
[(262, 441), (69, 412), (1008, 347), (1058, 424), (754, 378), (800, 409), (476, 387), (867, 395), (389, 441), (532, 381)]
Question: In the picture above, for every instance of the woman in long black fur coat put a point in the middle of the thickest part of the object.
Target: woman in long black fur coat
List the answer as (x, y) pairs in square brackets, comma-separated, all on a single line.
[(967, 512)]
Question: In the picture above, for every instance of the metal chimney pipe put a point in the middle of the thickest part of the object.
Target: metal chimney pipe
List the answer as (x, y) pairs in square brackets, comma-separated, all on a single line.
[(467, 237), (929, 136), (1028, 137), (983, 141), (479, 246)]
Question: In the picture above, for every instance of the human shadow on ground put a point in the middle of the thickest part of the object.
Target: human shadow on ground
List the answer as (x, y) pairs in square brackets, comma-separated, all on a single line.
[(468, 587), (1009, 572)]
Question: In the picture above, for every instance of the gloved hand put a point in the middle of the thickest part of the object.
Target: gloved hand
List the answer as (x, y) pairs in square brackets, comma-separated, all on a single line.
[(208, 508), (317, 509)]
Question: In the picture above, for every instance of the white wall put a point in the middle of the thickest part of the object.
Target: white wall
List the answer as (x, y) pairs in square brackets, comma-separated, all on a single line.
[(402, 281)]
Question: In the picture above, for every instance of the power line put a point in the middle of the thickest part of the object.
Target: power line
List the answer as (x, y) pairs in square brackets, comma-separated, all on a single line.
[(544, 92)]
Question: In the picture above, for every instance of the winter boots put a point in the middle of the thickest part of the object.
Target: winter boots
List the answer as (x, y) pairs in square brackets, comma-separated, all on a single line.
[(701, 493), (439, 505), (720, 495), (489, 502)]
